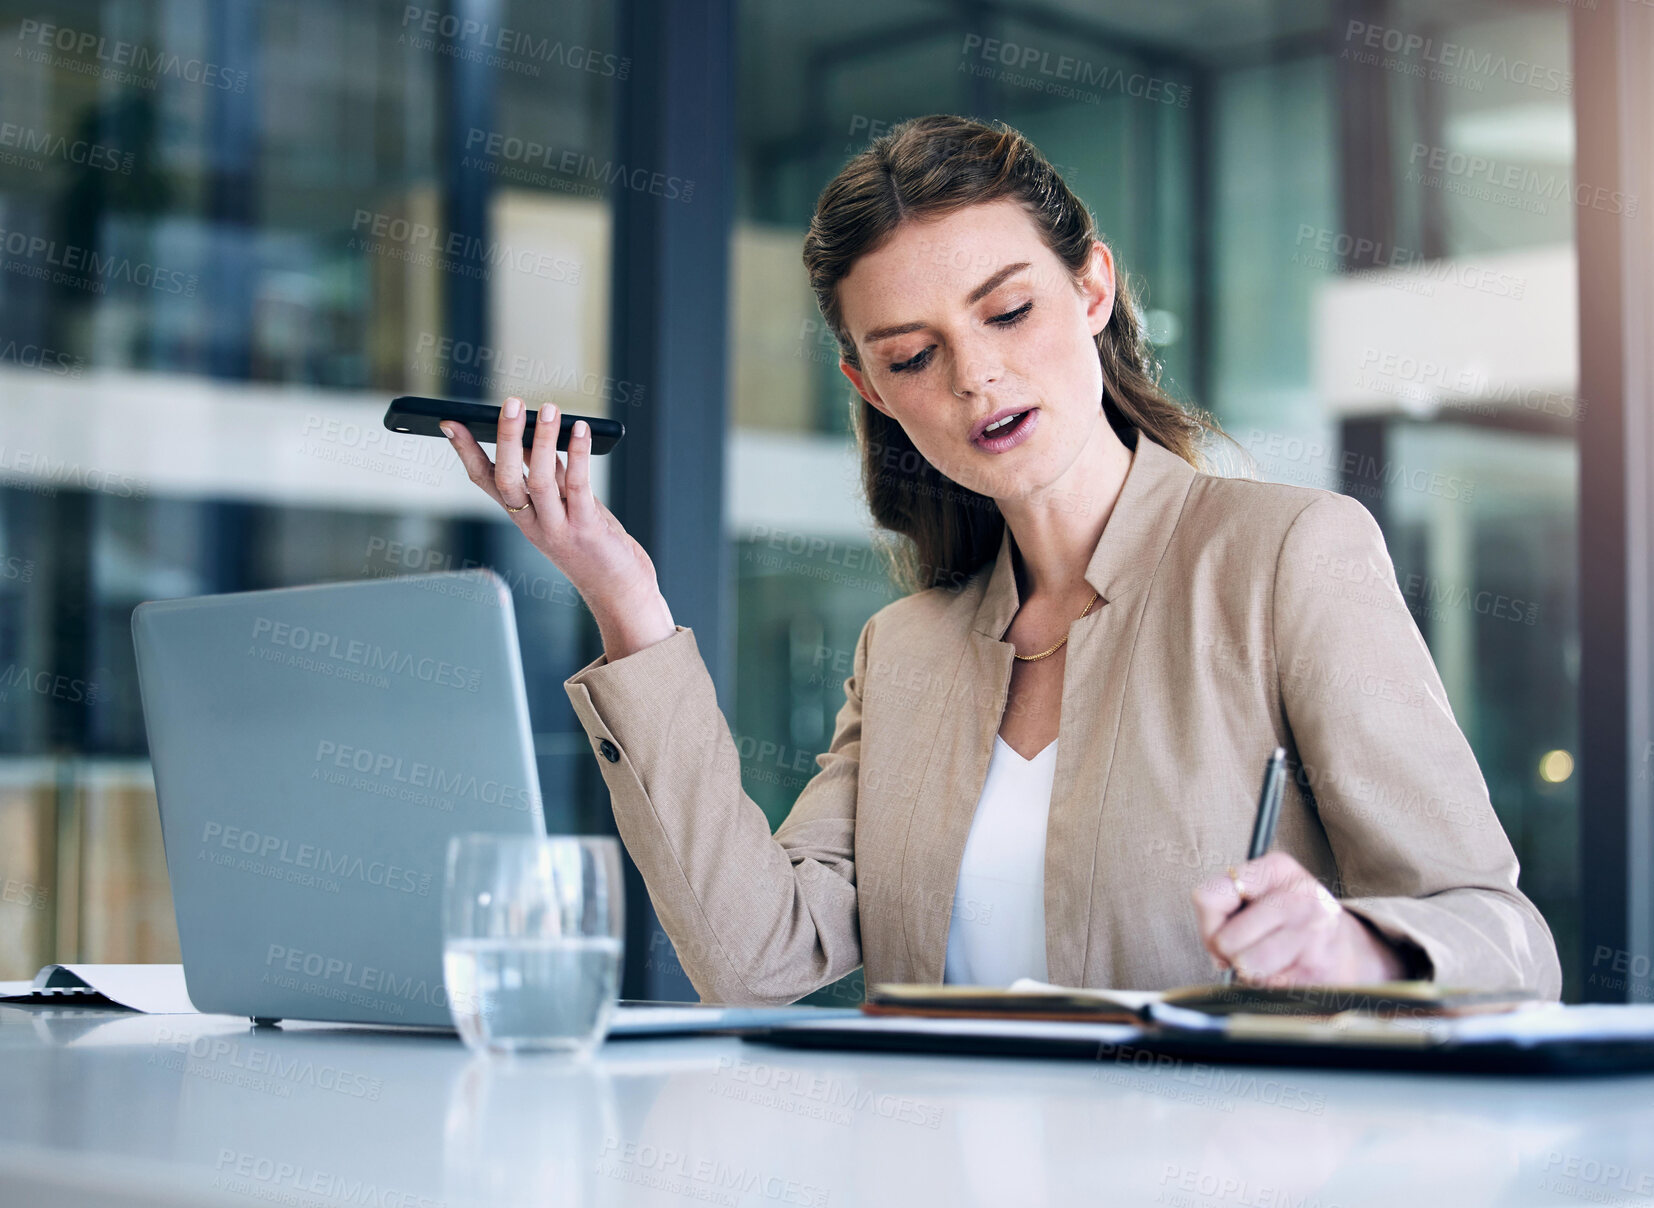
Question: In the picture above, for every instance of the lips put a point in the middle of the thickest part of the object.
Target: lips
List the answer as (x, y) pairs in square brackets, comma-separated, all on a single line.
[(1007, 436), (982, 424)]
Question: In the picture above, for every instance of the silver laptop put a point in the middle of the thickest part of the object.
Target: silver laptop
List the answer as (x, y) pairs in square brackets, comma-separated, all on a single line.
[(314, 749)]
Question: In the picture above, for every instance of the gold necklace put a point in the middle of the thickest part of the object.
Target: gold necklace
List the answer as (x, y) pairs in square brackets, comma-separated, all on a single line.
[(1028, 658)]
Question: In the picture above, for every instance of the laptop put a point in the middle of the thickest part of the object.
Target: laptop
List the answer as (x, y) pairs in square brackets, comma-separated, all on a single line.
[(314, 750)]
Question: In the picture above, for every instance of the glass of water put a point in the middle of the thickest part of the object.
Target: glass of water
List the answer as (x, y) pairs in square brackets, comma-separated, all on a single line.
[(531, 932)]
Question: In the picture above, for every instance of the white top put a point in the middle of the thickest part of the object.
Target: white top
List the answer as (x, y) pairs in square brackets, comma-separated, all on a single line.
[(998, 930)]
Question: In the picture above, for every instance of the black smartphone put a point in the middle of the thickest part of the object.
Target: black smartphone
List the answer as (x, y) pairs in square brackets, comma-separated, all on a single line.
[(420, 416)]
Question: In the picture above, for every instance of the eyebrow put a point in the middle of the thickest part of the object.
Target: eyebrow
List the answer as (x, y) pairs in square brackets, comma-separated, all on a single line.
[(976, 295)]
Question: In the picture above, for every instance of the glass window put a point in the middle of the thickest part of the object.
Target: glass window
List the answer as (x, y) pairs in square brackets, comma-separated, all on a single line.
[(228, 234)]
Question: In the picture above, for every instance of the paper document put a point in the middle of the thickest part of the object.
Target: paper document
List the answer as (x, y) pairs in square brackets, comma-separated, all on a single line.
[(152, 989)]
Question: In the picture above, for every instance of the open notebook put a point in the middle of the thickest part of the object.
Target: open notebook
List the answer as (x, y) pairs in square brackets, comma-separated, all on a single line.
[(1026, 998)]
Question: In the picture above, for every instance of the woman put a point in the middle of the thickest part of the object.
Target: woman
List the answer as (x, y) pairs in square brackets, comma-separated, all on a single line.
[(1047, 770)]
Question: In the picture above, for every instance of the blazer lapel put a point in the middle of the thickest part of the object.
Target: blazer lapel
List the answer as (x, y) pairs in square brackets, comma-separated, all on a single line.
[(941, 820), (1097, 662)]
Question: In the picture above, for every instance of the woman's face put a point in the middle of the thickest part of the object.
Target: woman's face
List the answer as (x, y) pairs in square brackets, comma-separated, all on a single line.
[(961, 319)]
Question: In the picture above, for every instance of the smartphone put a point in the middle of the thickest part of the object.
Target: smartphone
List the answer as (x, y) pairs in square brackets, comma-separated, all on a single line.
[(420, 416)]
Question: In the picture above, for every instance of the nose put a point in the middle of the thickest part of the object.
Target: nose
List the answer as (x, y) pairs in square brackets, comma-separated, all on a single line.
[(973, 374)]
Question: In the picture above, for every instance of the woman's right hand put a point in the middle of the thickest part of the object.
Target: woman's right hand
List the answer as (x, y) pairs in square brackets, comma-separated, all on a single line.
[(568, 524)]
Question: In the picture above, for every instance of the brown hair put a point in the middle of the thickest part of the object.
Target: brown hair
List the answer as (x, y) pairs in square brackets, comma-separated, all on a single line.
[(930, 166)]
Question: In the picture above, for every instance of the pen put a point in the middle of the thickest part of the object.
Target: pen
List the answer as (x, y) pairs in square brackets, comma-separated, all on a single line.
[(1269, 809)]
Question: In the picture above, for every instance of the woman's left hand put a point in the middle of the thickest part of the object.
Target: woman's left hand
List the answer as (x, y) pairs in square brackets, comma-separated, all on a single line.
[(1279, 926)]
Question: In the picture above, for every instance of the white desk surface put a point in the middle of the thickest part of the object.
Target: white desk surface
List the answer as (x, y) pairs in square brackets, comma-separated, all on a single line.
[(113, 1108)]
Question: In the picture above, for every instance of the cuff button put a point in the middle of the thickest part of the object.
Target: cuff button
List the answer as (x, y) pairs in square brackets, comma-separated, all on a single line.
[(609, 750)]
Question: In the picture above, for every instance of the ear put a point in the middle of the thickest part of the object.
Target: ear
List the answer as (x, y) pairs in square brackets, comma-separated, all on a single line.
[(1098, 286), (863, 387)]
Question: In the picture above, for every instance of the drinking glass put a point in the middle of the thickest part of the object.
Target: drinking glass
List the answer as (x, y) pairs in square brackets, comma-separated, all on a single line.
[(532, 931)]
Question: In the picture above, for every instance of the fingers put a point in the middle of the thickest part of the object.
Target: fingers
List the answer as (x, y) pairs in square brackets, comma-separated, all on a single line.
[(508, 454), (1215, 900), (1266, 895), (1315, 962), (1284, 930), (1273, 956), (1310, 969), (1250, 926), (544, 479), (577, 478), (1276, 870), (560, 491), (477, 466)]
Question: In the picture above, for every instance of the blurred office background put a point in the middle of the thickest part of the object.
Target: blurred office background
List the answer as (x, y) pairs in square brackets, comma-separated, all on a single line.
[(230, 232)]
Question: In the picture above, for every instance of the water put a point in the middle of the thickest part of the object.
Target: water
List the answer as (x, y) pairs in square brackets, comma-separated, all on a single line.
[(519, 994)]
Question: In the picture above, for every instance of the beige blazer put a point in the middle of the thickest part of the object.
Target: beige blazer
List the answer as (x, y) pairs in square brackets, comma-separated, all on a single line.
[(1235, 615)]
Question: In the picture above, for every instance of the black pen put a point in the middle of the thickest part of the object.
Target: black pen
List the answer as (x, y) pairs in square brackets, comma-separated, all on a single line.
[(1263, 827)]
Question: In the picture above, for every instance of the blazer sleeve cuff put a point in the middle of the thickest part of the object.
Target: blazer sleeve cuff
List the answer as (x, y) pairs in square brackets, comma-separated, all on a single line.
[(604, 694), (1471, 944), (1424, 955)]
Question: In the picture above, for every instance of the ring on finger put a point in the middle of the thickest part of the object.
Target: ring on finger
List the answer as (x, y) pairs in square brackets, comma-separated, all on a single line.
[(520, 506)]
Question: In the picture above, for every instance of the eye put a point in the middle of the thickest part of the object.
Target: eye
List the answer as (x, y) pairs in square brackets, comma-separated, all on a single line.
[(917, 361), (922, 358)]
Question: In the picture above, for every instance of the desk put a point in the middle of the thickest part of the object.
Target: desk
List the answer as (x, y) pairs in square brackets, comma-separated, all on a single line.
[(113, 1108)]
